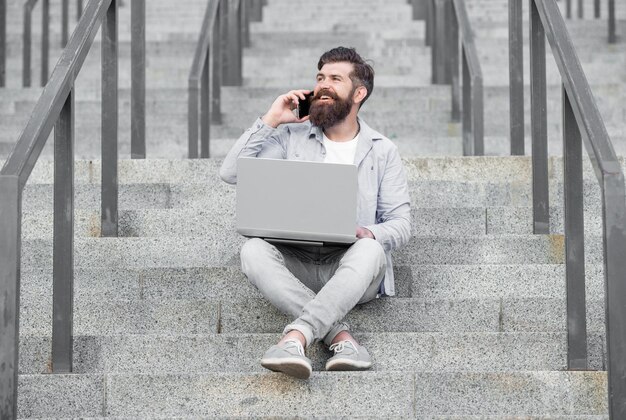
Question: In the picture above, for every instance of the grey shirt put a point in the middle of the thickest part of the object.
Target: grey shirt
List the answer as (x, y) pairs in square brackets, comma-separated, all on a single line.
[(383, 204)]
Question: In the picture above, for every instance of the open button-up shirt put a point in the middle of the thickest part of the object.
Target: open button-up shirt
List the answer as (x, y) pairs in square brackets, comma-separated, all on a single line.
[(383, 204)]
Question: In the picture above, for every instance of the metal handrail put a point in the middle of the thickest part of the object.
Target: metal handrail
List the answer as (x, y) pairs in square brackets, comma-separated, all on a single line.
[(45, 37), (581, 122), (473, 94), (453, 44), (208, 50), (612, 36), (3, 42), (55, 108), (226, 21)]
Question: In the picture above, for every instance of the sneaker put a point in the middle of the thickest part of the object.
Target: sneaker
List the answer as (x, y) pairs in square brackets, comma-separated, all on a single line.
[(289, 359), (348, 356)]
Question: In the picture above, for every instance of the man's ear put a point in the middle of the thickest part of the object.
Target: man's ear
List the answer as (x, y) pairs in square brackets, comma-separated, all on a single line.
[(359, 94)]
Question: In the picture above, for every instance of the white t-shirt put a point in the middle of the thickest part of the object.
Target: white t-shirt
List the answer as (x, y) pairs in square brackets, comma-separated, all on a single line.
[(340, 151)]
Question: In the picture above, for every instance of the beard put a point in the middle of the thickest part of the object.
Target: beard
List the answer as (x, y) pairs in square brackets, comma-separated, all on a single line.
[(327, 115)]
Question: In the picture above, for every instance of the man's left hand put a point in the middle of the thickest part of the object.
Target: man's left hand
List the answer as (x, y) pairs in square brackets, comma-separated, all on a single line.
[(361, 232)]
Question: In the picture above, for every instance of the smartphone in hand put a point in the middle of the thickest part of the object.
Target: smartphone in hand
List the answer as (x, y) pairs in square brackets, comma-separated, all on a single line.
[(304, 105)]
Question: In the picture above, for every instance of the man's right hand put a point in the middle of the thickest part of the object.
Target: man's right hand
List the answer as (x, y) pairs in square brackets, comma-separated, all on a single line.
[(281, 111)]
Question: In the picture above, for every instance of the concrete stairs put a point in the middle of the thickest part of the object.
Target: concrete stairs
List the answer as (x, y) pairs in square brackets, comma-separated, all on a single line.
[(167, 326)]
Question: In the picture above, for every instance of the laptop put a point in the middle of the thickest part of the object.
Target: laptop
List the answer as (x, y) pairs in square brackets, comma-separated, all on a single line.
[(297, 202)]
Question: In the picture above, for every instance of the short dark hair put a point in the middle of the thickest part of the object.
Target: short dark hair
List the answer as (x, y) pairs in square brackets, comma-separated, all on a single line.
[(363, 73)]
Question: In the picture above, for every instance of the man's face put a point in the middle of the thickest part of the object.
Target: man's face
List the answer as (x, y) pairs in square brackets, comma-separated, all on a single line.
[(333, 95)]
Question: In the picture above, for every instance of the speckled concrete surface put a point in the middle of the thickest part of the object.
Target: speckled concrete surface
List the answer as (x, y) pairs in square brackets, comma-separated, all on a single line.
[(61, 395), (271, 394), (493, 395), (241, 352), (533, 393), (500, 281)]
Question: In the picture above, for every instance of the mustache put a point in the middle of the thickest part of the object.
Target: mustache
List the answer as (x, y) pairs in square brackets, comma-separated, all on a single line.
[(325, 92)]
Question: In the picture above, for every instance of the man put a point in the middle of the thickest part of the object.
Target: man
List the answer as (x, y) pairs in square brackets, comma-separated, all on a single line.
[(318, 286)]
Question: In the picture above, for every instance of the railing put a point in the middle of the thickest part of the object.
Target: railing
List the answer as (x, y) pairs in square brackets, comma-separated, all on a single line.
[(55, 109), (581, 122), (45, 41), (449, 33), (3, 42), (45, 36), (138, 61), (217, 62), (596, 13)]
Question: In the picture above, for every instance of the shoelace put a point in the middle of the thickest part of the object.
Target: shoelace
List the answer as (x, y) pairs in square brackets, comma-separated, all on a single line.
[(296, 344), (339, 347)]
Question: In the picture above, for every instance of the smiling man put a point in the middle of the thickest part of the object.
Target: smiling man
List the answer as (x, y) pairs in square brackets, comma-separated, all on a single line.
[(318, 286)]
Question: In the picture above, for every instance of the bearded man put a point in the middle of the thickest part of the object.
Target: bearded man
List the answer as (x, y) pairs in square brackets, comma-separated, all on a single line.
[(318, 286)]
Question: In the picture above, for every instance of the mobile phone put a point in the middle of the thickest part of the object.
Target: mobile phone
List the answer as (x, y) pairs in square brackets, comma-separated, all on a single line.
[(304, 105)]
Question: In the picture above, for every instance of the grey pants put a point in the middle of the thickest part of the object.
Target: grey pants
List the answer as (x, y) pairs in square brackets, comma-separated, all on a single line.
[(317, 286)]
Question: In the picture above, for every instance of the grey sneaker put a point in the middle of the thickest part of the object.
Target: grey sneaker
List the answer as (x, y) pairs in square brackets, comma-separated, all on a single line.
[(348, 356), (289, 359)]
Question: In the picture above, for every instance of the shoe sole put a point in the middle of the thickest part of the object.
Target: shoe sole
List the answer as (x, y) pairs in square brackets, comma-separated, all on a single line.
[(339, 364), (297, 368)]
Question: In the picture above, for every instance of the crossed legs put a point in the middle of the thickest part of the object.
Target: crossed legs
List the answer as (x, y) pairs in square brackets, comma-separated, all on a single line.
[(317, 287)]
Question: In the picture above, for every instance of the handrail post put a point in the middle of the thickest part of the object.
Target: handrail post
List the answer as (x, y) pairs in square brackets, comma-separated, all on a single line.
[(516, 77), (596, 9), (466, 126), (419, 9), (244, 10), (45, 41), (138, 79), (614, 227), (581, 10), (472, 117), (10, 252), (453, 47), (574, 239), (205, 119), (430, 22), (65, 29), (539, 126), (26, 46), (109, 202), (478, 118), (63, 250), (612, 35), (568, 9), (79, 9), (192, 123), (223, 50), (232, 77), (216, 73), (3, 42), (440, 69), (256, 11)]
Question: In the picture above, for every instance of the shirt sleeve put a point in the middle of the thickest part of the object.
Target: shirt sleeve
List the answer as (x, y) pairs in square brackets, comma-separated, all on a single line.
[(393, 213), (260, 140)]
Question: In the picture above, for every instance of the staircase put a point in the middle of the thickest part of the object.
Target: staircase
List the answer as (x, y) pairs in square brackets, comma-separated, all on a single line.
[(166, 325)]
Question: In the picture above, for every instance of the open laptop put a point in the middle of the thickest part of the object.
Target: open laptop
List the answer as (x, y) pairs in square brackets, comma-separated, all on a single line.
[(297, 202)]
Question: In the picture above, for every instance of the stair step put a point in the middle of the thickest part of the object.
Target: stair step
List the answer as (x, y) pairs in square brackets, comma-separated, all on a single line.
[(228, 283), (223, 249), (256, 315), (398, 394), (195, 221), (241, 353)]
